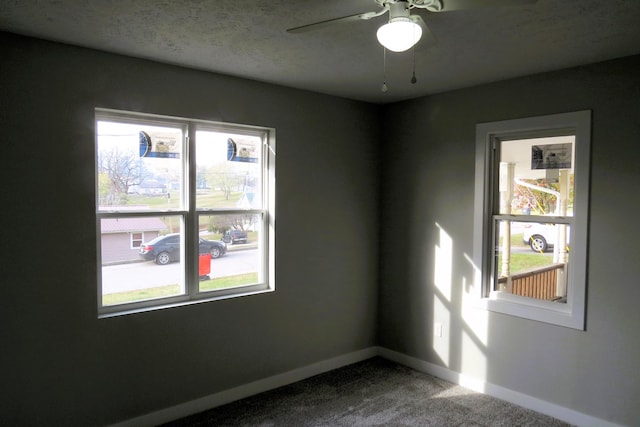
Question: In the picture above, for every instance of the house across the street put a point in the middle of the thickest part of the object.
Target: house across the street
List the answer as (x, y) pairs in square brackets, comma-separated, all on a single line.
[(122, 237)]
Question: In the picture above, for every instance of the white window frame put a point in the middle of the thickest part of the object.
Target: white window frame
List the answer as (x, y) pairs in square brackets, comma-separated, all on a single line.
[(572, 313), (131, 239), (189, 213)]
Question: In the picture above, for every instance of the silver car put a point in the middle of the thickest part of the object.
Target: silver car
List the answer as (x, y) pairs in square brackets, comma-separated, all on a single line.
[(540, 237)]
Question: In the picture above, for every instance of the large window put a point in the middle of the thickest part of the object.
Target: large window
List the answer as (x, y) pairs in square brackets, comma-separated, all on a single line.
[(532, 189), (203, 193)]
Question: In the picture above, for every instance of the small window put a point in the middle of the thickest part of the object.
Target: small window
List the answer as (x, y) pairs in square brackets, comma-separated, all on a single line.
[(187, 184), (532, 179), (136, 240)]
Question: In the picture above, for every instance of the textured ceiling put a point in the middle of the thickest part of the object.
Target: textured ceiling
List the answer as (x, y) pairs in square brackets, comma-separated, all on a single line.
[(247, 38)]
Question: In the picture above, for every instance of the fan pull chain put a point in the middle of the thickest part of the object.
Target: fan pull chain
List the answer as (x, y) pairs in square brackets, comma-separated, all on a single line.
[(384, 69), (413, 78)]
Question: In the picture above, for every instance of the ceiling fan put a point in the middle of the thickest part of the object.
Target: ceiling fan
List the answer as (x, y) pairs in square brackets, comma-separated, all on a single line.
[(404, 30)]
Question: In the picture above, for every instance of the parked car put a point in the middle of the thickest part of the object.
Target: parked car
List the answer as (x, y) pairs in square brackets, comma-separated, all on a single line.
[(235, 236), (166, 249), (540, 237)]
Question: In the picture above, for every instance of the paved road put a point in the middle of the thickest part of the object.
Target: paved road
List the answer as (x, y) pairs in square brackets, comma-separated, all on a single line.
[(142, 275)]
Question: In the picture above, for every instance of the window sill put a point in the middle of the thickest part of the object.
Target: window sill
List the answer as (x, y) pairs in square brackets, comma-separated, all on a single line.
[(556, 313), (117, 311)]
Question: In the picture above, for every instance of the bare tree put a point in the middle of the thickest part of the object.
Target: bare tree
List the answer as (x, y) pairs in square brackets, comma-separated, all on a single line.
[(122, 170), (225, 178)]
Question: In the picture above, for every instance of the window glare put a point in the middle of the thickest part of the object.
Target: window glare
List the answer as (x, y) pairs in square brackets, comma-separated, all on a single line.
[(139, 166), (154, 269), (228, 170), (541, 173), (241, 266), (531, 259)]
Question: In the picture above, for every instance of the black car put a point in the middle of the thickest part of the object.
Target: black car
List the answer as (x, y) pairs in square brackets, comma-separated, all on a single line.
[(235, 236), (165, 249)]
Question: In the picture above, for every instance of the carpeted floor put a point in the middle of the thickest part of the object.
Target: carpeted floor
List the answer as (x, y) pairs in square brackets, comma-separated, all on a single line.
[(375, 392)]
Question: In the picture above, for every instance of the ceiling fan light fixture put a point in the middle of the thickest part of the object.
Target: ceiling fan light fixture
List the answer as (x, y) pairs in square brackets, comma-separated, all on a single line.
[(399, 34)]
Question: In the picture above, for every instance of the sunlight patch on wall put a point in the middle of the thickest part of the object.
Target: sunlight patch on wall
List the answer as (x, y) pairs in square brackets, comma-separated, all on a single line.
[(475, 335), (443, 264), (443, 270)]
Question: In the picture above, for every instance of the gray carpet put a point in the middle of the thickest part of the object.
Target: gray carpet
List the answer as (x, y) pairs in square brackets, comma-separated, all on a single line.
[(375, 392)]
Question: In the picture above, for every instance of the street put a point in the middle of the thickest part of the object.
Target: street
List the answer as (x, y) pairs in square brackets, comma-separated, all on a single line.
[(142, 275)]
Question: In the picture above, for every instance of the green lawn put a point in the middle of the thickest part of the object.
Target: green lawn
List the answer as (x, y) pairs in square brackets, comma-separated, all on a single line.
[(205, 199), (140, 294), (525, 261), (228, 282), (516, 240), (216, 199), (173, 290)]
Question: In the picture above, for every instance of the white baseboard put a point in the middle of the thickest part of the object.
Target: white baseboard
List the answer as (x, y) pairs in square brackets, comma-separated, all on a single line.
[(559, 412), (246, 390), (217, 399)]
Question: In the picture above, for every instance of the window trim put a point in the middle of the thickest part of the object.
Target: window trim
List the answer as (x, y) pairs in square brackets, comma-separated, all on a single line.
[(571, 314), (131, 239), (189, 213)]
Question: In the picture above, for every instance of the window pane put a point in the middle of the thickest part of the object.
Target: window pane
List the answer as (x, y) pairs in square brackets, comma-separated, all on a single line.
[(536, 176), (228, 171), (136, 240), (240, 264), (139, 167), (154, 270), (531, 259)]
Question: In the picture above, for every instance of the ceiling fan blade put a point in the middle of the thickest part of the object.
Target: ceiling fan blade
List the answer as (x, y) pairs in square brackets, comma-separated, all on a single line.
[(318, 25), (451, 5)]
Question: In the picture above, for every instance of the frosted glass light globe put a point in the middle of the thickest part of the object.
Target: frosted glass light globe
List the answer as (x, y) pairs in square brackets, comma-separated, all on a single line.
[(399, 35)]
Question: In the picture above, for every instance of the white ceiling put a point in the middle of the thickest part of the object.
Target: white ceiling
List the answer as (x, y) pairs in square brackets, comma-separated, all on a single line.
[(247, 38)]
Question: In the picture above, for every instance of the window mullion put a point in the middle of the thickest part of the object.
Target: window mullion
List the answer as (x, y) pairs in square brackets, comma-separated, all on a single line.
[(534, 218), (492, 220), (192, 252)]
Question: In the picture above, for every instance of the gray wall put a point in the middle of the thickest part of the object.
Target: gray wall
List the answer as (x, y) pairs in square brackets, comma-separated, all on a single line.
[(428, 186), (61, 364)]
